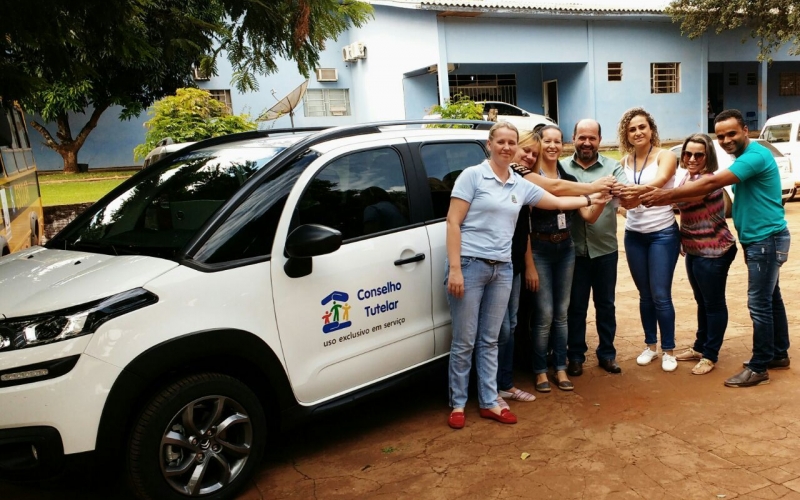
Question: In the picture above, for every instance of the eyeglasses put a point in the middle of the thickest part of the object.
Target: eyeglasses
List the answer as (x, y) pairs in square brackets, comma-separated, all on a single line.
[(688, 155)]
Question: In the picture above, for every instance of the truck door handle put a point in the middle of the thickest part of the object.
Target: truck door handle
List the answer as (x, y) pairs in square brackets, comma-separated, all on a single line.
[(416, 258)]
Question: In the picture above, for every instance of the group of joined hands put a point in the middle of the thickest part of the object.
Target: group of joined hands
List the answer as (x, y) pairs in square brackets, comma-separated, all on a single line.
[(630, 196)]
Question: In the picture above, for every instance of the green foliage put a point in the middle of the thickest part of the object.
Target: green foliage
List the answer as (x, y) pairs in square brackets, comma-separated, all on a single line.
[(88, 55), (459, 107), (190, 115), (772, 22)]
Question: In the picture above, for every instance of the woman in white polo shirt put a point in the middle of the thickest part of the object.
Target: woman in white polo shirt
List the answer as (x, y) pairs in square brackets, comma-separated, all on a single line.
[(484, 206)]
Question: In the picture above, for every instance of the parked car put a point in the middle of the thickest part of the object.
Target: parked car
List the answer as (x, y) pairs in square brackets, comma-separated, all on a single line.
[(725, 161), (244, 283), (783, 132), (523, 120), (163, 148)]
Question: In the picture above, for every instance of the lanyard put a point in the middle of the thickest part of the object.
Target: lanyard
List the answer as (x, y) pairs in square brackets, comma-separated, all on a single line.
[(639, 181)]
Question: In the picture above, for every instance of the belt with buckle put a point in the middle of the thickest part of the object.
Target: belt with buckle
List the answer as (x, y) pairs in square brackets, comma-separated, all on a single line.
[(491, 262), (552, 237)]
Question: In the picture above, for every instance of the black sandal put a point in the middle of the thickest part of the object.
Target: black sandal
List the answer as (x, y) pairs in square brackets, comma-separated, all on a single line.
[(543, 386)]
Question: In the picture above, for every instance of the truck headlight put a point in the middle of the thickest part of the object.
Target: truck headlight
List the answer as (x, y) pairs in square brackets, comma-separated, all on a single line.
[(45, 328)]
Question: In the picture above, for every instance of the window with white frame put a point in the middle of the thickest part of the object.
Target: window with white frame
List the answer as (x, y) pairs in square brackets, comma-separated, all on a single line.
[(327, 102), (223, 96), (665, 78)]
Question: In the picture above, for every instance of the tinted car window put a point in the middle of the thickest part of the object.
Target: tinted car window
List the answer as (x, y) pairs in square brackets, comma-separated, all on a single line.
[(358, 194), (506, 110), (160, 209), (443, 163), (250, 230)]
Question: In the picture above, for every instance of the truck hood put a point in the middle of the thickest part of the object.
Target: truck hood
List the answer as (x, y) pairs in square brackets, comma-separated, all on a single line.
[(39, 280)]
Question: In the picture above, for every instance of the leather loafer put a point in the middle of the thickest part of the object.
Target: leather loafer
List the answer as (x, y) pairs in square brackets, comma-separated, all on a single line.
[(456, 420), (748, 378), (575, 369), (775, 364), (505, 416), (610, 365)]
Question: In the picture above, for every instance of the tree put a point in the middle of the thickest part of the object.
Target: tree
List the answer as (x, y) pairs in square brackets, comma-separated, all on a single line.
[(772, 22), (190, 115), (58, 58), (458, 107)]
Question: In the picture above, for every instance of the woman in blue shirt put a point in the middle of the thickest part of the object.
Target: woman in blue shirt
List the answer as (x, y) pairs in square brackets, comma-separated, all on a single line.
[(484, 206)]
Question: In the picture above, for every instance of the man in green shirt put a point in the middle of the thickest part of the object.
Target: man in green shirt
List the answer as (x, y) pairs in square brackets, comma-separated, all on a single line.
[(759, 219), (596, 255)]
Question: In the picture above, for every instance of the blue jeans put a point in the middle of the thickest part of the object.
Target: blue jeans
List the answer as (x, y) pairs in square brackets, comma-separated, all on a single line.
[(555, 263), (477, 317), (505, 342), (770, 327), (597, 275), (708, 277), (651, 259)]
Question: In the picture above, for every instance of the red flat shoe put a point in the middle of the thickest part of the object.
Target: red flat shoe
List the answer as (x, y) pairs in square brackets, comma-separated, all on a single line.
[(505, 416), (456, 420)]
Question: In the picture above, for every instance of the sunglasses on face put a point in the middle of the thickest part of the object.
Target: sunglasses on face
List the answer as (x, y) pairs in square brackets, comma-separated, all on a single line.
[(688, 155)]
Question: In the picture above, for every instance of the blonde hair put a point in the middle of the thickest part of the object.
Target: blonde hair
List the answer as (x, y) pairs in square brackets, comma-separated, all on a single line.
[(528, 138), (499, 125), (624, 144)]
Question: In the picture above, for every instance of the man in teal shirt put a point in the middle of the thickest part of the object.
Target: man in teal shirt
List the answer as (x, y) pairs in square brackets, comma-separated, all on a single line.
[(596, 256), (759, 219)]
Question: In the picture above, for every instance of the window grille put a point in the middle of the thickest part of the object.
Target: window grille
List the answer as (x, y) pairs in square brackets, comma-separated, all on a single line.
[(223, 96), (665, 78), (502, 88), (615, 72), (789, 83), (326, 102), (751, 79)]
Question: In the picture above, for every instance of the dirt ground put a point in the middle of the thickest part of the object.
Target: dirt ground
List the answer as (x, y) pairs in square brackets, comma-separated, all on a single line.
[(644, 434)]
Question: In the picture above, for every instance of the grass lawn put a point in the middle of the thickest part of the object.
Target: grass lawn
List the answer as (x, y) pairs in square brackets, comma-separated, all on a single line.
[(67, 189)]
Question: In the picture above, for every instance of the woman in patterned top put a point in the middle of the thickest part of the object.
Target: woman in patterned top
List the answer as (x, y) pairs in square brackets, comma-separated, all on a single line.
[(710, 249)]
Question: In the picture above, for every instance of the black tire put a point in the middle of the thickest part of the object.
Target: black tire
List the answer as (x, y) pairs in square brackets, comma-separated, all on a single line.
[(163, 435)]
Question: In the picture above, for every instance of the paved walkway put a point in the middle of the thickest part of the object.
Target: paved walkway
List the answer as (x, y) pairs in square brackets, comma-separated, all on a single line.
[(645, 434)]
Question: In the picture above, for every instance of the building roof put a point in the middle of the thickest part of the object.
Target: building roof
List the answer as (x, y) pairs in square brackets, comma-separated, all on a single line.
[(557, 6)]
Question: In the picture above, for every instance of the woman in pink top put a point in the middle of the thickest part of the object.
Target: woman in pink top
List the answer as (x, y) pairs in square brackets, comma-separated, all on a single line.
[(710, 248)]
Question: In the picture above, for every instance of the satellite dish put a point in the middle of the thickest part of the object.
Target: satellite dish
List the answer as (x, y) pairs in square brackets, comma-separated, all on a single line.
[(285, 106)]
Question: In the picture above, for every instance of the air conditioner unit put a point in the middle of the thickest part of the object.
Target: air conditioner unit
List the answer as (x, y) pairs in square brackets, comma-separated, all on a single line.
[(338, 110), (359, 50), (347, 53), (199, 75), (327, 75)]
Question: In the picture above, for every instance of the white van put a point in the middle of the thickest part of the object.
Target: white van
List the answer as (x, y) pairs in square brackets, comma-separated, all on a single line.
[(783, 132)]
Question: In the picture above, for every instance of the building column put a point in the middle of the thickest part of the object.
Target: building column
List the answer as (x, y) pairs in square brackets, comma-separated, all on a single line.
[(592, 69), (704, 97), (444, 82), (762, 93)]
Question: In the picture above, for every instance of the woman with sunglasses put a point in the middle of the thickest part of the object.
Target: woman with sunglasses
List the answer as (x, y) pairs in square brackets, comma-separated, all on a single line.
[(710, 249), (484, 207), (652, 239)]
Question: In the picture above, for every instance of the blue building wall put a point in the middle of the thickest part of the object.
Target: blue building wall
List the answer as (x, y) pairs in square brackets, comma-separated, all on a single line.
[(110, 144), (394, 81)]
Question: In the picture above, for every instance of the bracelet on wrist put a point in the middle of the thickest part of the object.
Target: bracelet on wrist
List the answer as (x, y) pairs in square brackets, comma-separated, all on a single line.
[(588, 200)]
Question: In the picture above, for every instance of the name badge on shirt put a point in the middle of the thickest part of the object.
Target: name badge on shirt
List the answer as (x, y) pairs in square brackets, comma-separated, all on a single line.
[(562, 221), (513, 199)]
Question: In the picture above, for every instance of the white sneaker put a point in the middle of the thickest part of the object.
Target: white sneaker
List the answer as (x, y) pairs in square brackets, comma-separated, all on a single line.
[(668, 363), (646, 357)]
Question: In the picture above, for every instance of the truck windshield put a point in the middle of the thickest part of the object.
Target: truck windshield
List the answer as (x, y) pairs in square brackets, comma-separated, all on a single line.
[(159, 210)]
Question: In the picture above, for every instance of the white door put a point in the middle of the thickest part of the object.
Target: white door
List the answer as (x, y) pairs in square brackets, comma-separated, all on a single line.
[(362, 314)]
